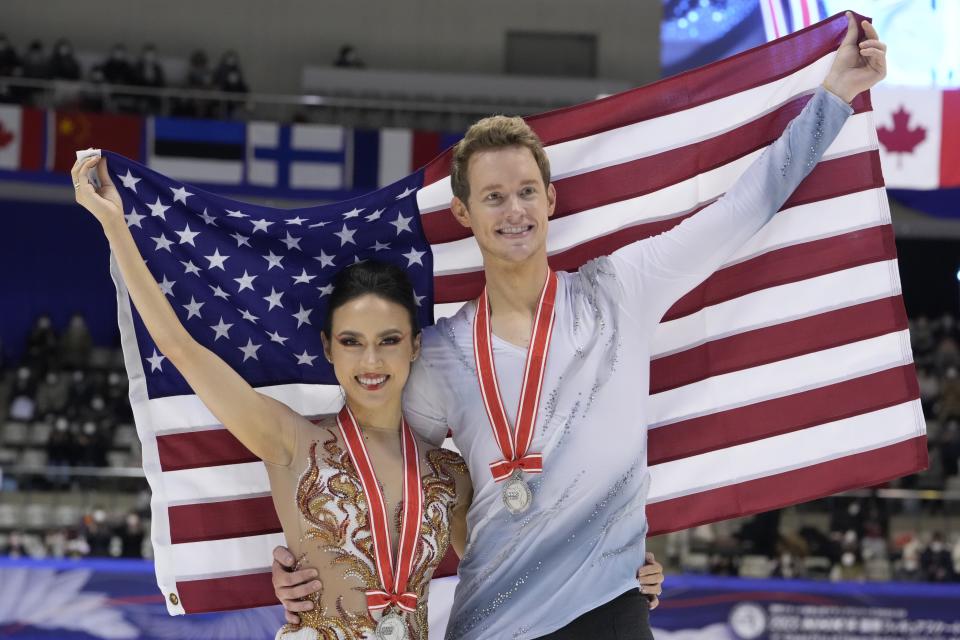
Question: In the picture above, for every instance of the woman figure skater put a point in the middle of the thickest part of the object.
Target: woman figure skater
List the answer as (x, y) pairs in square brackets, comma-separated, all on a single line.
[(362, 500)]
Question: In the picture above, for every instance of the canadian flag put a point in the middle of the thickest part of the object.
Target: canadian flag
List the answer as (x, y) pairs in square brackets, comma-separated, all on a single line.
[(21, 138), (919, 134)]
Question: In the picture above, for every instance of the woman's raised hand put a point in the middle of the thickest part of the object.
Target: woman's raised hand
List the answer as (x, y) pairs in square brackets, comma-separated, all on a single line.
[(104, 203)]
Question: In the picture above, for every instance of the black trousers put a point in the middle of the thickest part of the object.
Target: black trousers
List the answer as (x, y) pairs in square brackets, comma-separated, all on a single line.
[(626, 617)]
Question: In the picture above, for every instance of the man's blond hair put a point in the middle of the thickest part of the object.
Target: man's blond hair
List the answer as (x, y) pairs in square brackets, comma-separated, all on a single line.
[(495, 132)]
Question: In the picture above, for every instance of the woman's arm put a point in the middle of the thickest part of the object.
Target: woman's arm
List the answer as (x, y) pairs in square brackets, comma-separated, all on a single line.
[(262, 424)]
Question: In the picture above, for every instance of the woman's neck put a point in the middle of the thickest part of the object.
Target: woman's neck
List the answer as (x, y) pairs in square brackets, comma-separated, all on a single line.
[(381, 418)]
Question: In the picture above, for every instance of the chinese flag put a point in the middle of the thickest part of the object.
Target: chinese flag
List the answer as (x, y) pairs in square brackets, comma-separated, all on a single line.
[(76, 130)]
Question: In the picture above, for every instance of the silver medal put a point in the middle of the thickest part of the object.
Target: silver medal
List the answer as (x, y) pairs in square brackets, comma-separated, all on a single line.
[(517, 496), (391, 626)]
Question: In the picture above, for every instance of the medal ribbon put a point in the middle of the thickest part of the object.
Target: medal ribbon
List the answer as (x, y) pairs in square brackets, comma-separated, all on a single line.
[(394, 583), (514, 443)]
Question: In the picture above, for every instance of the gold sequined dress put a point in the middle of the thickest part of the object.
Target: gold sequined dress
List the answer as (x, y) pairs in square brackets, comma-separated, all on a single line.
[(322, 508)]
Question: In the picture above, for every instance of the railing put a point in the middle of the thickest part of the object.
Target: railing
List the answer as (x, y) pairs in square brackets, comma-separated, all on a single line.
[(356, 111)]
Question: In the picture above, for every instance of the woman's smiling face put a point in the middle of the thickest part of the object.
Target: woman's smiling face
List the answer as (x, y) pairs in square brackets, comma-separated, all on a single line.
[(371, 347)]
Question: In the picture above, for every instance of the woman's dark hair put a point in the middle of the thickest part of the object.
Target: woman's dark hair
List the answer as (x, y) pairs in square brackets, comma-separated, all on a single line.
[(382, 279)]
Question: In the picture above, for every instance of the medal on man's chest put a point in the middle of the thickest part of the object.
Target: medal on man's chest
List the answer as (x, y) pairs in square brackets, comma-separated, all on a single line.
[(514, 443)]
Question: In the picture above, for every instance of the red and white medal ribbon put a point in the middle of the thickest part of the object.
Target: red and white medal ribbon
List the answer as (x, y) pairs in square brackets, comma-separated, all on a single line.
[(514, 443), (393, 578)]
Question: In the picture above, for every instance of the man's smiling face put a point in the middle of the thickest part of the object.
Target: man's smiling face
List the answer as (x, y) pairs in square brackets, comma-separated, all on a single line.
[(508, 206)]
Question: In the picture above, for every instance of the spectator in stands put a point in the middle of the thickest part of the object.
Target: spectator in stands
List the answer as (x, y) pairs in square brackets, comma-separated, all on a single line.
[(9, 60), (950, 448), (42, 345), (936, 560), (81, 391), (10, 66), (929, 388), (117, 68), (63, 64), (949, 406), (228, 74), (116, 397), (947, 354), (956, 555), (76, 343), (16, 546), (97, 97), (36, 66), (52, 393), (199, 77), (921, 335), (22, 404), (348, 58), (149, 73), (131, 535), (97, 533), (92, 445), (874, 544), (61, 453), (228, 78)]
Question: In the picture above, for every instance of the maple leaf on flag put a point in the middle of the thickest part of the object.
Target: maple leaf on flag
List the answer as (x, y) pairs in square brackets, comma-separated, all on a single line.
[(6, 136), (901, 139)]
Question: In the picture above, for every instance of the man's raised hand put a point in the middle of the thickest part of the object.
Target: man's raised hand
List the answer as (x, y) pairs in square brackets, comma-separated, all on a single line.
[(858, 65)]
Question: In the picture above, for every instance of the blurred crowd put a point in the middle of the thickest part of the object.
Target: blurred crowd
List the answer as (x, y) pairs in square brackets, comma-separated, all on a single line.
[(851, 538), (98, 534), (64, 408), (110, 76), (60, 406), (118, 67)]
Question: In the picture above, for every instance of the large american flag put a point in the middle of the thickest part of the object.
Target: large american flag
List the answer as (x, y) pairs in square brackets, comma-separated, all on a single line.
[(786, 376)]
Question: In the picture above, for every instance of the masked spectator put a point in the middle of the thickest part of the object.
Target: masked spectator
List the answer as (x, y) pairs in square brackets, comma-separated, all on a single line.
[(97, 533), (149, 73), (117, 68), (63, 64)]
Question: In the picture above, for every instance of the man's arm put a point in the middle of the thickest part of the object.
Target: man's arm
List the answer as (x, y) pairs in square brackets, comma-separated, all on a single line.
[(676, 261), (423, 403)]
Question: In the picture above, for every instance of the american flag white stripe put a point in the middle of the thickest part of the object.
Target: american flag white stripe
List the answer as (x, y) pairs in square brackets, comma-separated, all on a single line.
[(206, 559)]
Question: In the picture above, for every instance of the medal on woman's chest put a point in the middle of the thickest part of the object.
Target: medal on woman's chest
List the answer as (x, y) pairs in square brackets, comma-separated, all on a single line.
[(392, 626), (514, 443), (393, 598)]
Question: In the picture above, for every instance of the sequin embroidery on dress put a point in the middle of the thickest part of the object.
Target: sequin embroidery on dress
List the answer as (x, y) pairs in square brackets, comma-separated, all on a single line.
[(334, 514)]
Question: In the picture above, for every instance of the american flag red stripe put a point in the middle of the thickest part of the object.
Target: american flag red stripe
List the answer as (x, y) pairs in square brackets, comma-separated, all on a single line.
[(785, 376), (792, 487)]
